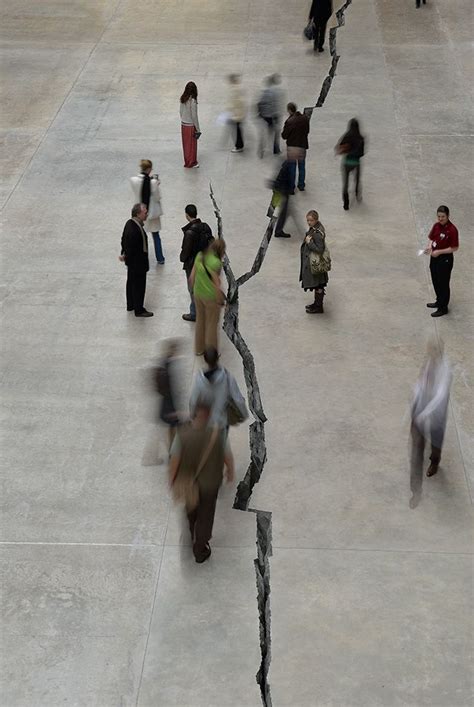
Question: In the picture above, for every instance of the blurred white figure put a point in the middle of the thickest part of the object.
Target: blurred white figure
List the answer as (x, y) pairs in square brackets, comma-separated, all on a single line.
[(237, 111), (428, 413)]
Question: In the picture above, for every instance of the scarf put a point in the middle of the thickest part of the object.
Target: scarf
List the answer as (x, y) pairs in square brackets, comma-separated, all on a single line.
[(146, 190)]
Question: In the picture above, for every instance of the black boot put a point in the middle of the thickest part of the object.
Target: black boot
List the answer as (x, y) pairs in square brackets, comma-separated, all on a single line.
[(317, 306)]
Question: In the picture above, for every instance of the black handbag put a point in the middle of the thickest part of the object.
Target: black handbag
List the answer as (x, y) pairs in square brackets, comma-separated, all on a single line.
[(309, 30)]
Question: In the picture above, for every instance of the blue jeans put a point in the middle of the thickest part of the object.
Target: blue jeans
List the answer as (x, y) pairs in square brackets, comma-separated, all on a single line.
[(160, 258), (301, 172)]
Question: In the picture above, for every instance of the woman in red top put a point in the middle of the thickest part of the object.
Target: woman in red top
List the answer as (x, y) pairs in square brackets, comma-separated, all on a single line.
[(444, 241)]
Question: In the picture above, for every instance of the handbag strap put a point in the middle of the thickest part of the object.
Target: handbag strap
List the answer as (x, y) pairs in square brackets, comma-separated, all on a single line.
[(207, 451)]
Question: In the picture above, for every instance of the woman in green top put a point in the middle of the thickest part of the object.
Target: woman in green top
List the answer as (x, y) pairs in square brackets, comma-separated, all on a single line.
[(351, 147), (209, 298)]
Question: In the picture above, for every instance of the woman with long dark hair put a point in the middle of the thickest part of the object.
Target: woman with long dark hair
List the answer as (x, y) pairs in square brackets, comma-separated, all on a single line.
[(351, 147), (190, 131)]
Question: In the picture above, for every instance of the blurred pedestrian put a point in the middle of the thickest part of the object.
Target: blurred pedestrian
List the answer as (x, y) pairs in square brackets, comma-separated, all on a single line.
[(208, 296), (428, 414), (418, 3), (196, 237), (198, 456), (146, 189), (351, 146), (315, 262), (283, 189), (269, 109), (165, 383), (295, 132), (218, 388), (135, 256), (237, 111), (320, 12), (443, 242), (190, 130)]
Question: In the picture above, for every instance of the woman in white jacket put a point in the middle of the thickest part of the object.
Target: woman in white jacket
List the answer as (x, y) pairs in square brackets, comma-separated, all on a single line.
[(146, 190)]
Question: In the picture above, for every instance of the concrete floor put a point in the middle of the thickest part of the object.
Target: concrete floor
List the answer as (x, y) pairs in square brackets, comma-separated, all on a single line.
[(103, 605)]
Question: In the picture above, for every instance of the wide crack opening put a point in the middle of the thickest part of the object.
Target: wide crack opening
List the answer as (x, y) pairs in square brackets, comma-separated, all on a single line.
[(258, 449)]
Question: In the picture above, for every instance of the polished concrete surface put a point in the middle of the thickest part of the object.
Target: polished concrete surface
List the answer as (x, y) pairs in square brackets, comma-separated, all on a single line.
[(103, 605)]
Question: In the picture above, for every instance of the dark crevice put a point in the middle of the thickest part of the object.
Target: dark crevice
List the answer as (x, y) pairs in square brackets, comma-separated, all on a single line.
[(258, 449)]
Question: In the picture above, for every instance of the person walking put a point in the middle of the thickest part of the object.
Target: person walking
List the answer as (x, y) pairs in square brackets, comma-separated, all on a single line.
[(314, 262), (237, 111), (269, 110), (208, 296), (443, 242), (295, 132), (217, 387), (320, 12), (283, 189), (135, 256), (196, 237), (428, 415), (146, 189), (165, 384), (418, 3), (190, 130), (199, 453), (351, 146)]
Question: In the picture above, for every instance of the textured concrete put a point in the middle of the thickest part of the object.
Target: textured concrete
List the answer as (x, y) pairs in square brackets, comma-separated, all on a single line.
[(102, 602)]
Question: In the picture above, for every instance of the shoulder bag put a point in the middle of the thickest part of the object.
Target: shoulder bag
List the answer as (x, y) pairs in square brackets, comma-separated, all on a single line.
[(320, 262), (234, 415)]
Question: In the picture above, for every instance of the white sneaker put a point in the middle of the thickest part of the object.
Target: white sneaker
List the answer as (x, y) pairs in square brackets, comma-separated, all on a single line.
[(235, 149), (195, 166)]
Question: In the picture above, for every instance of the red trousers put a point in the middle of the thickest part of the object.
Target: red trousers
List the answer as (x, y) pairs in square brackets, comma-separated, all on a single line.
[(188, 133)]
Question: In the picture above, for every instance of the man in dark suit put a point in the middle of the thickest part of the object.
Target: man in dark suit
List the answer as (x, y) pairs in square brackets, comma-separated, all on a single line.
[(135, 256), (321, 11)]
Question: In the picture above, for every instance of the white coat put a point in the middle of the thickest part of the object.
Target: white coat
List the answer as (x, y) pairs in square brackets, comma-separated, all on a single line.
[(153, 222)]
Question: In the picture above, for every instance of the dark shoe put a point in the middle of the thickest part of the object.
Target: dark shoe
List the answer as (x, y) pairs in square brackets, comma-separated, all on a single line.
[(160, 262), (144, 314), (317, 306), (282, 234), (300, 188), (291, 193), (432, 305), (204, 556), (440, 312), (189, 318), (432, 469), (129, 309), (311, 308), (320, 49), (346, 204)]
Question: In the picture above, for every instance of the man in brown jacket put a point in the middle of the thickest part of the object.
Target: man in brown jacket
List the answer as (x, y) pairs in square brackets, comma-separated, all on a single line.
[(295, 132), (192, 446)]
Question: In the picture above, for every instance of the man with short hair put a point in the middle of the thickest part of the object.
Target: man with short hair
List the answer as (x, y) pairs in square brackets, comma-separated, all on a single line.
[(135, 256), (197, 235), (295, 132)]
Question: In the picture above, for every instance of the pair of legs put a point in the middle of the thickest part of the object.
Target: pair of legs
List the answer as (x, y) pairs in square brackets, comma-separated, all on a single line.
[(201, 520), (319, 34), (207, 323), (273, 125), (301, 164), (188, 137), (418, 3), (135, 290), (317, 306), (160, 258), (239, 136), (346, 170), (416, 460), (192, 304), (440, 269)]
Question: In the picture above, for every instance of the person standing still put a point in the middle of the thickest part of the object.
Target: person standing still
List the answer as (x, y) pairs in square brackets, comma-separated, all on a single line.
[(196, 237), (314, 242), (295, 132), (320, 12), (190, 130), (135, 256), (237, 111), (146, 188), (443, 242)]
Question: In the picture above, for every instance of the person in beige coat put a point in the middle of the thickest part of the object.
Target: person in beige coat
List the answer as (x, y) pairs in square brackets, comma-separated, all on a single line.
[(146, 190), (237, 111)]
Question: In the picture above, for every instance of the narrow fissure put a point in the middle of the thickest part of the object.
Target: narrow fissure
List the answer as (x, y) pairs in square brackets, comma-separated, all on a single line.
[(258, 449)]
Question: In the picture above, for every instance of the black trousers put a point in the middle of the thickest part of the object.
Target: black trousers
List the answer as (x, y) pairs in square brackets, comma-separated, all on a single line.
[(283, 215), (201, 520), (346, 170), (239, 138), (136, 284), (440, 269), (319, 33)]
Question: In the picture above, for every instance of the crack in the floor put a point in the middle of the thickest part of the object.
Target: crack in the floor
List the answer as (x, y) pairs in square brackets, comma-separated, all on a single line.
[(258, 449)]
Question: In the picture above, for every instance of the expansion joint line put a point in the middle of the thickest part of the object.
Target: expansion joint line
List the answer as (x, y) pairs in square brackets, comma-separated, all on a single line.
[(258, 449)]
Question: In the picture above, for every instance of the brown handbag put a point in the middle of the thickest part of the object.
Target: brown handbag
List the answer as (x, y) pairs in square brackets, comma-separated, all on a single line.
[(185, 488)]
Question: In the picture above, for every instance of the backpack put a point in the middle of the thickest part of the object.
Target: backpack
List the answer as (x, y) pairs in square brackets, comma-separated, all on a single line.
[(204, 236)]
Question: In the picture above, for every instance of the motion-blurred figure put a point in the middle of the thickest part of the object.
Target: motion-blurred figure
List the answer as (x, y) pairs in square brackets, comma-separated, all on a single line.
[(165, 384), (146, 189), (418, 3), (320, 12), (315, 262), (237, 111), (270, 110), (351, 146), (443, 242), (295, 132), (283, 189), (428, 414), (198, 454)]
